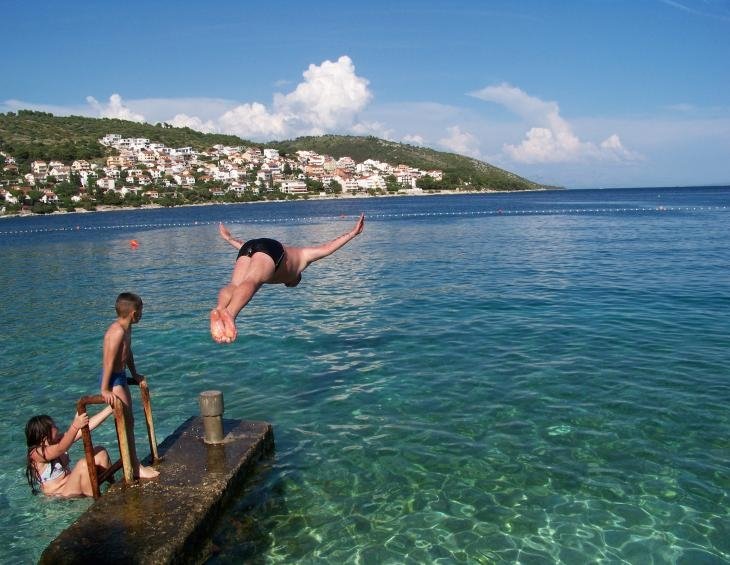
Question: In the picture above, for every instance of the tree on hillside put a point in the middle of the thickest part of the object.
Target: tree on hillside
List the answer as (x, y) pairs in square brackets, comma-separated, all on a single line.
[(335, 187), (391, 184), (65, 189), (427, 183)]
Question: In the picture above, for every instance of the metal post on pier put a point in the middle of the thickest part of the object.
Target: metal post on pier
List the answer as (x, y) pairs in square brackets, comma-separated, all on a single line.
[(211, 409)]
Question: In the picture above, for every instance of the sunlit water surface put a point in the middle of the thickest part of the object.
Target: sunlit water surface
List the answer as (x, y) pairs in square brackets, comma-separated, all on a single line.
[(533, 378)]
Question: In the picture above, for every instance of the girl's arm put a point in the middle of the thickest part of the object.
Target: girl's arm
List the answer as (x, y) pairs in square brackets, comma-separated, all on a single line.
[(96, 419), (54, 450)]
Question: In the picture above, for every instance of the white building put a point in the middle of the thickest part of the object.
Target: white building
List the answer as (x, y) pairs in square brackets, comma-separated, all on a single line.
[(373, 182), (348, 184), (106, 183), (184, 179), (292, 186), (80, 165), (39, 168), (49, 197), (110, 139)]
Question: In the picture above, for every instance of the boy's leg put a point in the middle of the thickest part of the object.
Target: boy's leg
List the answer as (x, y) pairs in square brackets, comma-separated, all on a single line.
[(140, 471), (125, 395)]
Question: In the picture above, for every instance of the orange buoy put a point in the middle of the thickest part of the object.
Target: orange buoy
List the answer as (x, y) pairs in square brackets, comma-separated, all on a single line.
[(133, 243)]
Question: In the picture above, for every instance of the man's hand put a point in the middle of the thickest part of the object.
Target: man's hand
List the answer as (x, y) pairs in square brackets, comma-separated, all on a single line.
[(223, 230), (359, 225)]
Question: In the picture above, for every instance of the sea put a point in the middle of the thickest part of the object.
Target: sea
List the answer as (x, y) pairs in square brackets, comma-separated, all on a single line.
[(534, 377)]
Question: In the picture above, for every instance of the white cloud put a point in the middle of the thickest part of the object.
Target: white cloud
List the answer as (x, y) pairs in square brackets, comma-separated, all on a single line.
[(252, 120), (711, 9), (461, 142), (682, 107), (551, 139), (413, 139), (192, 122), (114, 109), (327, 100), (376, 129)]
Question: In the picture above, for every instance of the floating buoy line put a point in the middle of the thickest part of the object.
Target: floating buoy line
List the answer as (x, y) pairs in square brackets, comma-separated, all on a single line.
[(315, 219)]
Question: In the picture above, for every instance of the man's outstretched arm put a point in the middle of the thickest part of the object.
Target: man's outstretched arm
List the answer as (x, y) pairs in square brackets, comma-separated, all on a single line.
[(225, 234), (312, 254)]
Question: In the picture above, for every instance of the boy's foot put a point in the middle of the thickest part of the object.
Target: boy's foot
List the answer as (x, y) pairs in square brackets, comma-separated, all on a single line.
[(147, 472)]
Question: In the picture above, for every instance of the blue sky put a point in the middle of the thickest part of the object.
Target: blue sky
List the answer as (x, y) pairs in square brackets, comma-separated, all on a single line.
[(582, 94)]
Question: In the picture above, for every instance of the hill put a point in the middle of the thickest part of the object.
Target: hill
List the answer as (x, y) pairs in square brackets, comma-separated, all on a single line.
[(457, 168), (29, 135)]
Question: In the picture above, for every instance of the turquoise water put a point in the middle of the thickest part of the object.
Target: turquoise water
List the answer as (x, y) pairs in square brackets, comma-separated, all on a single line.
[(533, 378)]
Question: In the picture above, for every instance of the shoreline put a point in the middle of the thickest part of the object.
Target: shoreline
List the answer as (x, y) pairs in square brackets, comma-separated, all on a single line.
[(111, 208)]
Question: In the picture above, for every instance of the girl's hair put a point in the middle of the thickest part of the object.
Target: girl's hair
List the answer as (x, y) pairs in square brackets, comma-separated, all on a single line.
[(37, 431)]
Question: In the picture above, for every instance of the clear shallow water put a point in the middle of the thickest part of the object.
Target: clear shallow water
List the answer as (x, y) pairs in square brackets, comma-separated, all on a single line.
[(533, 377)]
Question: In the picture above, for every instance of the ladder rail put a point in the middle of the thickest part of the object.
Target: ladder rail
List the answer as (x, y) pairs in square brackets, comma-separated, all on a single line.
[(124, 431)]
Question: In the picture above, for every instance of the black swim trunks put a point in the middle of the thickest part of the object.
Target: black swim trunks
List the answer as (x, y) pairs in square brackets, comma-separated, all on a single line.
[(271, 247)]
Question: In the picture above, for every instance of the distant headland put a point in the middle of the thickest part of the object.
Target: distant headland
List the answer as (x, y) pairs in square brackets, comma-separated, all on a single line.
[(65, 164)]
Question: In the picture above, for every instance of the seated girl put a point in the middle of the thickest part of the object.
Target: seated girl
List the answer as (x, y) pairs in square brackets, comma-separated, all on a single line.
[(48, 464)]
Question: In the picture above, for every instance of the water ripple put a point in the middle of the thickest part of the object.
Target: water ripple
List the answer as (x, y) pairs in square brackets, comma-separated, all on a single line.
[(455, 387)]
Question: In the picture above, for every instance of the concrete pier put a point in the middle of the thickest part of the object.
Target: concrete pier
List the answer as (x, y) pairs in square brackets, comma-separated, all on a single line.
[(168, 519)]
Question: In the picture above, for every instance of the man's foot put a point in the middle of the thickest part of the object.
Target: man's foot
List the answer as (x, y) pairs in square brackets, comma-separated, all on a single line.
[(217, 327), (146, 473), (230, 325), (222, 326)]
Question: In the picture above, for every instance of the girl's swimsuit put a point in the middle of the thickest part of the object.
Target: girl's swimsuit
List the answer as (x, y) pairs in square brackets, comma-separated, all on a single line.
[(270, 247), (52, 470)]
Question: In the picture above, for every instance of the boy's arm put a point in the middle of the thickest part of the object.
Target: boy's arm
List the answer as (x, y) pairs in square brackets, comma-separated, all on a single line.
[(112, 341), (133, 368)]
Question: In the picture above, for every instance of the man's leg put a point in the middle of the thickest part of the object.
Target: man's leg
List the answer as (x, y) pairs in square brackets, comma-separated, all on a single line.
[(222, 326)]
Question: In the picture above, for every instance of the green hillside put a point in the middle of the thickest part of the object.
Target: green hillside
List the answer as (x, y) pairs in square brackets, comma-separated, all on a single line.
[(457, 168), (29, 135)]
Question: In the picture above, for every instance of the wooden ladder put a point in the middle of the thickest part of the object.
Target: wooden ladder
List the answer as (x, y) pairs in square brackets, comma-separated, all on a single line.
[(124, 431)]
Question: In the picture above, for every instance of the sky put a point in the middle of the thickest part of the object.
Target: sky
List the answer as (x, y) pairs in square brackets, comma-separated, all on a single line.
[(573, 93)]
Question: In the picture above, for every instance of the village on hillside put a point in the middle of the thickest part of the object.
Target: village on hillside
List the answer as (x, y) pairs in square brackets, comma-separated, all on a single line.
[(143, 172)]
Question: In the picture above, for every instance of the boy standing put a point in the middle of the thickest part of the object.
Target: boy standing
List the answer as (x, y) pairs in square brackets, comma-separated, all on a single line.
[(116, 358)]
